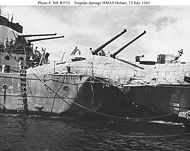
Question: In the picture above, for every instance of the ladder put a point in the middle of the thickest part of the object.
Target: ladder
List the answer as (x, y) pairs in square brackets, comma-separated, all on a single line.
[(22, 93)]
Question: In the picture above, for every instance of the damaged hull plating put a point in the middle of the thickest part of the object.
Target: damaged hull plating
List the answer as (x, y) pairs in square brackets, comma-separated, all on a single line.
[(100, 85)]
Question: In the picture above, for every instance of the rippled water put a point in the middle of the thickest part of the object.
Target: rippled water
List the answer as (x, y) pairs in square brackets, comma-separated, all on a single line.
[(40, 134)]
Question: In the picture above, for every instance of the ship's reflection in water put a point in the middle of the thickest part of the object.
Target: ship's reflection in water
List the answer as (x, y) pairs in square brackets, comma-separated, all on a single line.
[(47, 134)]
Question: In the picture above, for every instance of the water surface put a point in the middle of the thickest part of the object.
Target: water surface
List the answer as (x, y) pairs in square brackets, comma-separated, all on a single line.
[(20, 133)]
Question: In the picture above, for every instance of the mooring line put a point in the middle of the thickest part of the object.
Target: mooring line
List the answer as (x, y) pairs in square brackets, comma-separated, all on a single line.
[(157, 136)]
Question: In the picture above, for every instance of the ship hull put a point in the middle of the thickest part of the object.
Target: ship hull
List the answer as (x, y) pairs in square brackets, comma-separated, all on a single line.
[(52, 94), (67, 94), (72, 94), (161, 102)]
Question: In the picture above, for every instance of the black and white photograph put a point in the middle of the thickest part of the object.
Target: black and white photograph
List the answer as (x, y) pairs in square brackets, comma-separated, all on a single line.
[(94, 76)]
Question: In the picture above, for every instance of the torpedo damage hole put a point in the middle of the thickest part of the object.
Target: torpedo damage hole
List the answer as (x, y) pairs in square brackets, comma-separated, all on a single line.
[(105, 98), (101, 97)]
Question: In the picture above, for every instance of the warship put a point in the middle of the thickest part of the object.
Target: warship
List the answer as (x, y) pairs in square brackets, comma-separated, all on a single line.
[(90, 82)]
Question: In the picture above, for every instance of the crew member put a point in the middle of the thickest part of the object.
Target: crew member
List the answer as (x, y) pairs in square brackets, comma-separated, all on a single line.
[(42, 59), (6, 43), (176, 59), (101, 53), (46, 58), (37, 56), (11, 43), (138, 58)]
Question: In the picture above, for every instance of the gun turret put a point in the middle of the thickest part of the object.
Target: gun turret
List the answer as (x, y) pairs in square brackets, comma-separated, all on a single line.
[(94, 52), (122, 48), (39, 39), (33, 35)]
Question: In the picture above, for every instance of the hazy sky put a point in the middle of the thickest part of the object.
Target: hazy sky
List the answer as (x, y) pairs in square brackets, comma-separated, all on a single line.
[(167, 27)]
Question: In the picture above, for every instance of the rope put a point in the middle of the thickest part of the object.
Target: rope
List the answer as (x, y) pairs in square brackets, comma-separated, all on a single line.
[(31, 93), (157, 136), (183, 107), (54, 98), (122, 118), (172, 86), (2, 105), (112, 116), (92, 81)]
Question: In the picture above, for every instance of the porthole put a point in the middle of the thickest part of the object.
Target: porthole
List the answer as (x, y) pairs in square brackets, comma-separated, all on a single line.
[(4, 86), (7, 57), (66, 88)]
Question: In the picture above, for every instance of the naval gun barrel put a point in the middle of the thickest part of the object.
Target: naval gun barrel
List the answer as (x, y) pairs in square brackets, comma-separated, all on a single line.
[(33, 35), (39, 39), (118, 51), (94, 52)]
